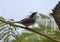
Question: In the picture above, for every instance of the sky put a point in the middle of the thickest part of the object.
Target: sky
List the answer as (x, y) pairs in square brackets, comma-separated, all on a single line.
[(19, 9)]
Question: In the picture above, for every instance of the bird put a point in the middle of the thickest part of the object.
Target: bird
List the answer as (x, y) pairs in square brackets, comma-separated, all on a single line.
[(28, 20)]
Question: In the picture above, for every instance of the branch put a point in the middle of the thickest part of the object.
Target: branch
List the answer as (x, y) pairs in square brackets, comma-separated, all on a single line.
[(56, 14), (12, 24)]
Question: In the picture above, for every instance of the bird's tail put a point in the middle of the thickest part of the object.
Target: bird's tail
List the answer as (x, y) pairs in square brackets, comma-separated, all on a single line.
[(17, 22)]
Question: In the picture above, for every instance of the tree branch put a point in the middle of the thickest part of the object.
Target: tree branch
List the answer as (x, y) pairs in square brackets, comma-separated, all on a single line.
[(56, 14), (12, 24)]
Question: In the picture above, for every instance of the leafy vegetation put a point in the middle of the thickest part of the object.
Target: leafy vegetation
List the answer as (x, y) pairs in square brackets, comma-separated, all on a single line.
[(46, 25)]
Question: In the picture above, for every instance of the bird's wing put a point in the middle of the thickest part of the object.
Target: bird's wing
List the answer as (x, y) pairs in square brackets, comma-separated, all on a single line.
[(27, 21)]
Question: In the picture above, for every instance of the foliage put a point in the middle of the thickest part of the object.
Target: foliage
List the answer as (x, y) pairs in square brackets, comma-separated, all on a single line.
[(6, 31), (46, 25)]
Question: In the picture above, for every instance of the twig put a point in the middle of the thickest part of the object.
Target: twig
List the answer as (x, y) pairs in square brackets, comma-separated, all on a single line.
[(12, 24)]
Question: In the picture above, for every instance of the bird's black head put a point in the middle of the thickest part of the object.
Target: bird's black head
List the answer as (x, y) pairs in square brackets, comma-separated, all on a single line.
[(32, 15)]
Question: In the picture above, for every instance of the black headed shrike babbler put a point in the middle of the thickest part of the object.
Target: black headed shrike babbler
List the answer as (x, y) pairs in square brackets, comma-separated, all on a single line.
[(29, 20)]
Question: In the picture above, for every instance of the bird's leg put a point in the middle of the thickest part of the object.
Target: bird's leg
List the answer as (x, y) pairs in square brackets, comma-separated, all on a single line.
[(26, 26)]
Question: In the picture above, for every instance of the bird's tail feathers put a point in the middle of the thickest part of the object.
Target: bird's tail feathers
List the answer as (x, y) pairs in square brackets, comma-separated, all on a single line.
[(17, 22)]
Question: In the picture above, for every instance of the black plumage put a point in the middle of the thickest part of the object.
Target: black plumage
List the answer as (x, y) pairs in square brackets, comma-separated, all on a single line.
[(28, 21)]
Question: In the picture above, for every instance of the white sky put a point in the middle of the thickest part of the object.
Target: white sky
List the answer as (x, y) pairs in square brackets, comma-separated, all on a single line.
[(18, 9)]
